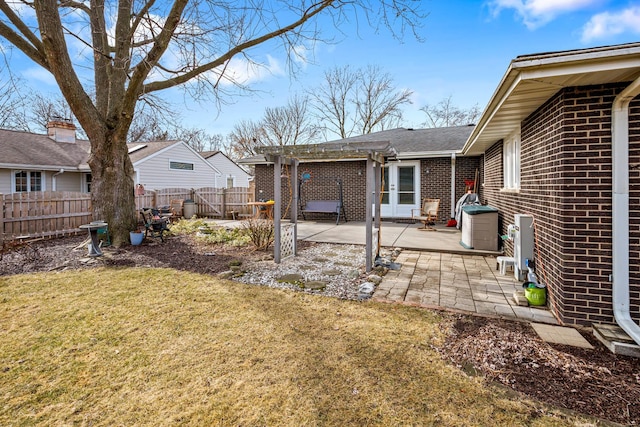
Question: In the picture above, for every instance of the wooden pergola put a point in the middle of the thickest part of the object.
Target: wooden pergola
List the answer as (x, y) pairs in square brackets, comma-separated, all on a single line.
[(375, 154)]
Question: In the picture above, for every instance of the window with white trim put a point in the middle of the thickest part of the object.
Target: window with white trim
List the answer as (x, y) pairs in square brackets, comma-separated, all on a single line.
[(183, 166), (511, 162), (230, 181), (25, 181)]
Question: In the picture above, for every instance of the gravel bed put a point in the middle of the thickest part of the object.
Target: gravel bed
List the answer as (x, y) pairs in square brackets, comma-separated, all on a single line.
[(342, 267)]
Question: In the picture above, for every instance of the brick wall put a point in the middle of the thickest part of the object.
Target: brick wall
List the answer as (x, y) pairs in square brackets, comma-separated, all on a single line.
[(434, 184), (566, 186), (322, 186)]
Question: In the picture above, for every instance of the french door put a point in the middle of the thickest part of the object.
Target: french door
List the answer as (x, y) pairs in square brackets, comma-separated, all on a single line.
[(401, 192)]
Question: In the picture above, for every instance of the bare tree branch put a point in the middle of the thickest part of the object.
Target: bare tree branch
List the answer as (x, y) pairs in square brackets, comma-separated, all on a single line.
[(446, 114)]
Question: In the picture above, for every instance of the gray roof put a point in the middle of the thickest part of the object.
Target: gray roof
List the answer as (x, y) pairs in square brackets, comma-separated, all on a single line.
[(147, 148), (407, 142), (419, 141), (207, 154), (24, 149)]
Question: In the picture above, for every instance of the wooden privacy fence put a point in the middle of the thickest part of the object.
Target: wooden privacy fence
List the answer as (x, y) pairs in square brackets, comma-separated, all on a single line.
[(43, 214), (209, 201), (59, 213)]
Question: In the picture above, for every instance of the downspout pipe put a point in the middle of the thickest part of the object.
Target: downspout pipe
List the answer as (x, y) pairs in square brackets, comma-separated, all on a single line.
[(54, 181), (620, 209)]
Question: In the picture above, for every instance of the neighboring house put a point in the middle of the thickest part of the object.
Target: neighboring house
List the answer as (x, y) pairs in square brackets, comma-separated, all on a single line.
[(427, 165), (232, 175), (559, 143), (171, 164), (53, 162), (58, 162)]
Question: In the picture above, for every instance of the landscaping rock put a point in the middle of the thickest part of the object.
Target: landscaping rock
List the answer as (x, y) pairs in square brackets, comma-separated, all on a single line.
[(293, 278), (315, 285), (227, 274), (365, 290), (331, 272), (353, 274), (374, 278)]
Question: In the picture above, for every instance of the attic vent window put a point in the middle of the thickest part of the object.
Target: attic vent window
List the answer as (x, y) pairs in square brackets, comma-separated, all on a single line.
[(181, 166), (136, 148)]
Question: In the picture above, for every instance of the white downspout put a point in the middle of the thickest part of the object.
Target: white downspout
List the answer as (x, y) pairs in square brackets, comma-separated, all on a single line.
[(620, 209), (54, 181), (453, 186)]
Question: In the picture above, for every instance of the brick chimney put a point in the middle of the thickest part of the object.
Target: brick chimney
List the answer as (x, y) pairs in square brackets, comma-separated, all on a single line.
[(61, 130)]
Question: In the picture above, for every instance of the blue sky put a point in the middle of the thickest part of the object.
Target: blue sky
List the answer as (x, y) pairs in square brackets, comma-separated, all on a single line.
[(467, 48)]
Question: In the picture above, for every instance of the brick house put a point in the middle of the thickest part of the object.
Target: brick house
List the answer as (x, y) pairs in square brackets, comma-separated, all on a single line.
[(427, 165), (550, 149)]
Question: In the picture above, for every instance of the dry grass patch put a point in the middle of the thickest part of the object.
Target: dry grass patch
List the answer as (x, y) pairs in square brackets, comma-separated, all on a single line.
[(162, 347)]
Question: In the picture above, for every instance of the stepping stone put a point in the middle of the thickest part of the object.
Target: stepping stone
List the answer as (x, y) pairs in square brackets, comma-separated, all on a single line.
[(560, 335), (316, 285), (331, 272), (293, 278)]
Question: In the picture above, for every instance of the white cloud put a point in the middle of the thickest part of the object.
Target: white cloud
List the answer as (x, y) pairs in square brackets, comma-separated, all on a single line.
[(243, 72), (35, 75), (536, 13), (607, 24)]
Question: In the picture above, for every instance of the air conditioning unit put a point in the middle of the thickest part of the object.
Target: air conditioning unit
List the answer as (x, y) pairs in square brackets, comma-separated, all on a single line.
[(523, 245)]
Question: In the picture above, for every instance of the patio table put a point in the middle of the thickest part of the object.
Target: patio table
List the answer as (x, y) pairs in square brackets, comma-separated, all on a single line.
[(260, 208)]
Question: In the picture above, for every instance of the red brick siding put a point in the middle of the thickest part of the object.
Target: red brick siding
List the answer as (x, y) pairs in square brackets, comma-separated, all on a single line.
[(566, 186)]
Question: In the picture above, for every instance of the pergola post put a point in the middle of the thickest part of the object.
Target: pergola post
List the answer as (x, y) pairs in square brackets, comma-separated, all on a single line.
[(277, 198), (294, 203), (378, 182), (370, 187)]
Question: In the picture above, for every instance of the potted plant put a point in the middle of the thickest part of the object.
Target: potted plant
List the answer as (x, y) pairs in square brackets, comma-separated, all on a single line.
[(136, 236)]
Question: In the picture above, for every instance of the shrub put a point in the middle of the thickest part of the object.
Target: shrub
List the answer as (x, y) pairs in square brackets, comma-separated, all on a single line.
[(260, 232), (210, 233)]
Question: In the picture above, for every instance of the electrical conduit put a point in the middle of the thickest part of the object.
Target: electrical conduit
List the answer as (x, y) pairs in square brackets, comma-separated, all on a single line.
[(620, 209)]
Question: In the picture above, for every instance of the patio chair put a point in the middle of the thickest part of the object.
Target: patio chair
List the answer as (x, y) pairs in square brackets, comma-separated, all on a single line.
[(428, 214), (154, 224), (176, 206)]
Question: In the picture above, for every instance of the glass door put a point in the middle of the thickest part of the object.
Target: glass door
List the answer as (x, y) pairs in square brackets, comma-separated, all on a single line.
[(401, 189)]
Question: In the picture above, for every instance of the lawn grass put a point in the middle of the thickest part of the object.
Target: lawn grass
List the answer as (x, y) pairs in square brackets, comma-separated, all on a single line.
[(162, 347)]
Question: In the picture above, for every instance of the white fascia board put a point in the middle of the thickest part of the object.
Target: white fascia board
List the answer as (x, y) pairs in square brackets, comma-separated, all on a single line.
[(427, 154), (39, 167), (563, 58), (542, 72)]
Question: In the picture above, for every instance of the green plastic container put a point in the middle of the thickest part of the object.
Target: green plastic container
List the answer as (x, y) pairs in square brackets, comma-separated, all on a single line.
[(536, 296)]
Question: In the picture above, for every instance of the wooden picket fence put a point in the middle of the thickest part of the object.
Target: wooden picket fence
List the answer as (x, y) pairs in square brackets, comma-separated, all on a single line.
[(58, 213)]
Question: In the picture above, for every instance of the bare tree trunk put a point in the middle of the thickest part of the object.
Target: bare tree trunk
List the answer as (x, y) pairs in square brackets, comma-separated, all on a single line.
[(112, 192)]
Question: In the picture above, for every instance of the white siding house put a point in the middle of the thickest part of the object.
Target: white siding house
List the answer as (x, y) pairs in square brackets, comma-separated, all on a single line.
[(231, 175), (171, 164), (58, 162)]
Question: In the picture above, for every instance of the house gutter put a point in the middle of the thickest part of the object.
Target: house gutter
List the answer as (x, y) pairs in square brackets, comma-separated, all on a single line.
[(620, 209)]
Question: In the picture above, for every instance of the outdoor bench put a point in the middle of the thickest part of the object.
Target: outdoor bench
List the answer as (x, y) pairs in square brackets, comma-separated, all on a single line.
[(324, 206)]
